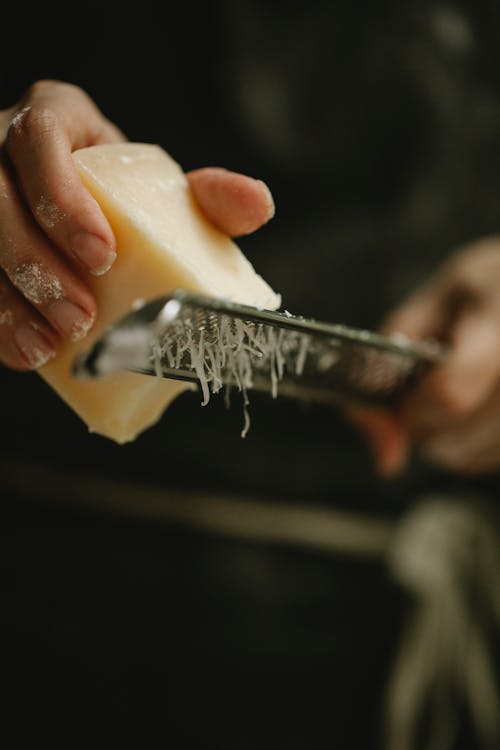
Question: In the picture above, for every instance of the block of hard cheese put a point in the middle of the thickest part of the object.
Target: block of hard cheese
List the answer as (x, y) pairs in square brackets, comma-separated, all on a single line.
[(164, 242)]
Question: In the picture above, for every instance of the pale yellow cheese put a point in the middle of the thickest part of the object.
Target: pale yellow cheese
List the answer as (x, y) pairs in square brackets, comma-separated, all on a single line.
[(164, 242)]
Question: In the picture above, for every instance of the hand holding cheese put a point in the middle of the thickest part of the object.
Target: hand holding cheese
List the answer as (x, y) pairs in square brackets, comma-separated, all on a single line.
[(67, 219), (54, 236), (52, 232)]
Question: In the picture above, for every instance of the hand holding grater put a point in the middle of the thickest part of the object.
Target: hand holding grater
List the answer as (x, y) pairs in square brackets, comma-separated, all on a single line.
[(217, 344)]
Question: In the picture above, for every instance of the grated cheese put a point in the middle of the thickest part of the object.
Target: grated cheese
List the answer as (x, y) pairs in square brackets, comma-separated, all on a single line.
[(225, 352)]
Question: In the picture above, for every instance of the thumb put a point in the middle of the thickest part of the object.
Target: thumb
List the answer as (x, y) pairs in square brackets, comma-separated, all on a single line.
[(235, 203)]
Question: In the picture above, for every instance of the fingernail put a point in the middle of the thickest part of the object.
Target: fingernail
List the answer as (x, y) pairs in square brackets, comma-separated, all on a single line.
[(71, 320), (271, 208), (101, 270), (33, 347), (93, 252)]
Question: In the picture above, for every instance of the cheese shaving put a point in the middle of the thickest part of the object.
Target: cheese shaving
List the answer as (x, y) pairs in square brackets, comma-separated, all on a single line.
[(230, 352)]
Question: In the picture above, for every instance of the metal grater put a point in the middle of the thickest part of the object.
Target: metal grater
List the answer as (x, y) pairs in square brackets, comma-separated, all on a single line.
[(215, 343)]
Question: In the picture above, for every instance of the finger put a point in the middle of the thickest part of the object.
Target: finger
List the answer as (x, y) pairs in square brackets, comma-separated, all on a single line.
[(38, 272), (58, 119), (467, 377), (386, 436), (26, 341), (423, 315), (236, 204), (472, 444)]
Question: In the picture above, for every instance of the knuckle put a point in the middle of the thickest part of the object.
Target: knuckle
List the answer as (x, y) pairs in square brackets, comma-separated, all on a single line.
[(75, 90), (38, 88), (45, 87), (70, 92), (31, 123)]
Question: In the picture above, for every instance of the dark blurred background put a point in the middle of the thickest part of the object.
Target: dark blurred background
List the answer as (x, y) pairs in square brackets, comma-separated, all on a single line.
[(378, 129)]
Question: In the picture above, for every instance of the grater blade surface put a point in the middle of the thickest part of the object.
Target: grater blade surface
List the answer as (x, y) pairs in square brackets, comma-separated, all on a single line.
[(217, 343)]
